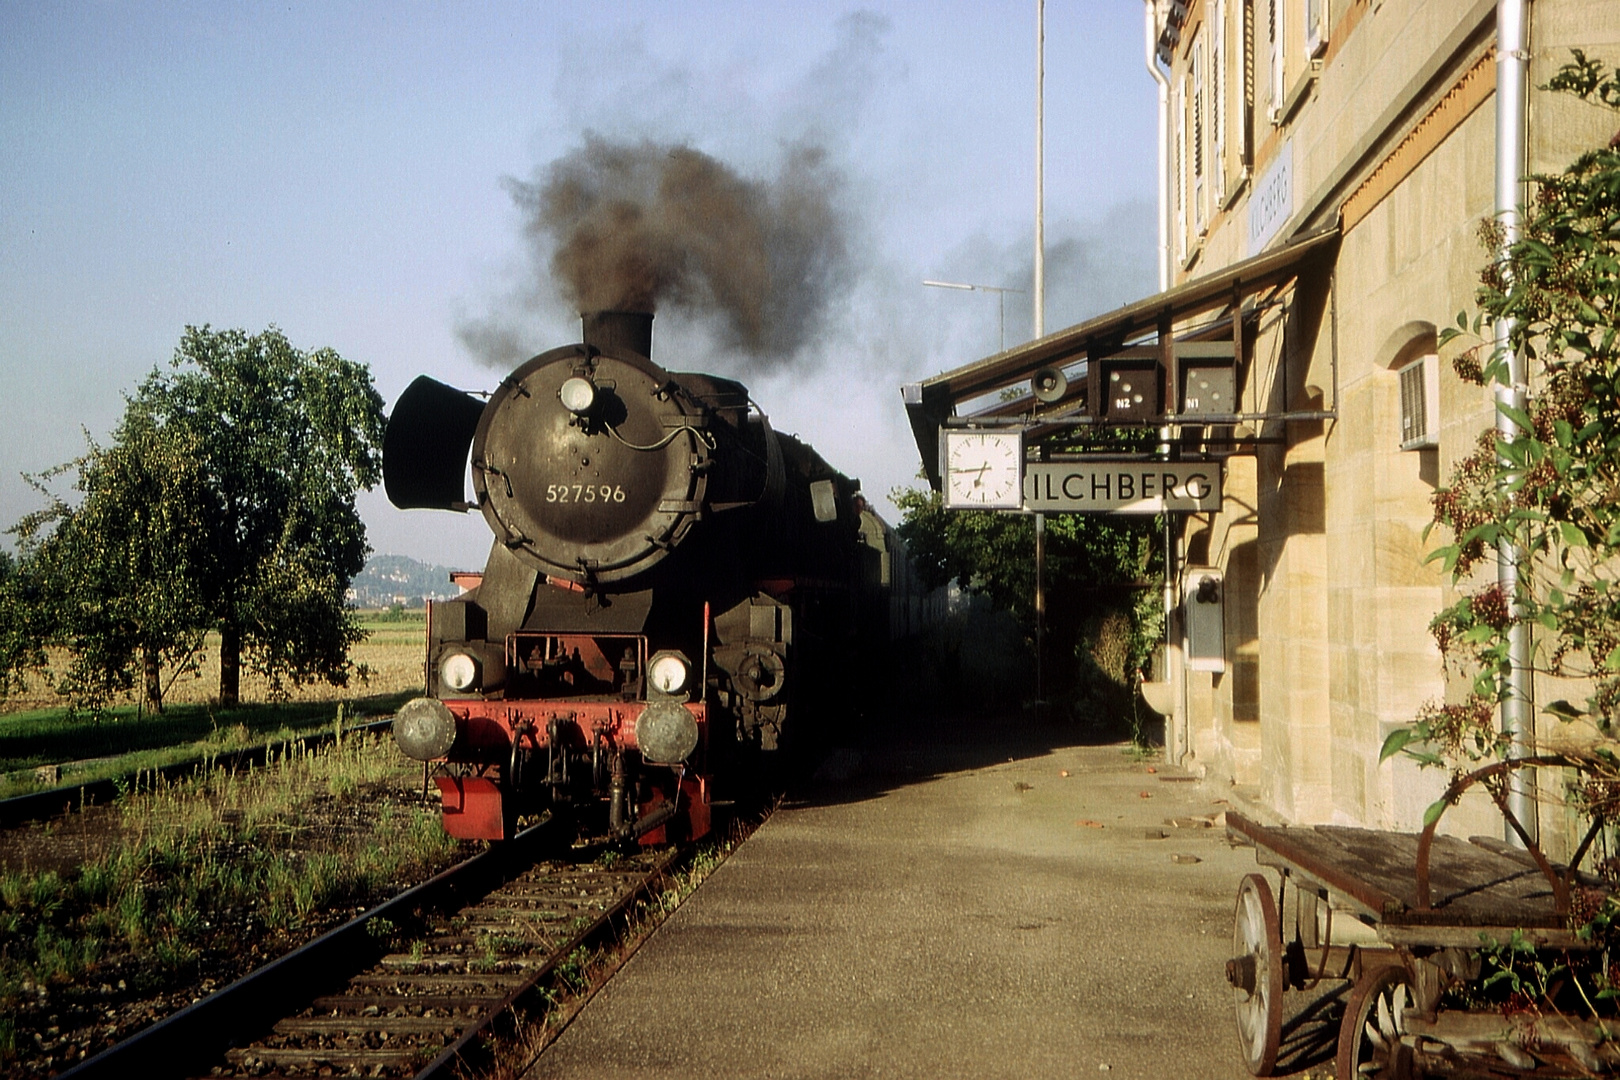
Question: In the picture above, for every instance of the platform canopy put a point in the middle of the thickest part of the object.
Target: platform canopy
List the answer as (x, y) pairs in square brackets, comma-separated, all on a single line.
[(932, 402)]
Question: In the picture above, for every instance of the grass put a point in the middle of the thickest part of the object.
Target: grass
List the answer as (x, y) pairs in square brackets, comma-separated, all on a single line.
[(125, 744), (190, 727), (205, 866)]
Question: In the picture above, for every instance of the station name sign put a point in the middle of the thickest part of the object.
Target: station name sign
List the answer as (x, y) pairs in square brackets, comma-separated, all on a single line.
[(1122, 487)]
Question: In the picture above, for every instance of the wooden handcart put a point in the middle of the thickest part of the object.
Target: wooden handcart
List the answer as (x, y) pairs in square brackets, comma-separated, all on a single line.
[(1436, 904)]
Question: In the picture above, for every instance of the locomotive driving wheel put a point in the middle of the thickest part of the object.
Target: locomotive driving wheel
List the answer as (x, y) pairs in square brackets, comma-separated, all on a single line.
[(1370, 1041), (1256, 974)]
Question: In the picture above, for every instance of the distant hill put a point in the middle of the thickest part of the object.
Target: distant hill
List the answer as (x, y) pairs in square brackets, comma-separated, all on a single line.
[(399, 579)]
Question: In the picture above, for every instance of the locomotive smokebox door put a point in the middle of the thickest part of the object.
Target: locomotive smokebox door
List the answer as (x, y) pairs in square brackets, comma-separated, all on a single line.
[(591, 466)]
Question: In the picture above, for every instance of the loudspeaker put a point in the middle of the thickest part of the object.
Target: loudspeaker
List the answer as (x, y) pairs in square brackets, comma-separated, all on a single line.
[(1049, 384)]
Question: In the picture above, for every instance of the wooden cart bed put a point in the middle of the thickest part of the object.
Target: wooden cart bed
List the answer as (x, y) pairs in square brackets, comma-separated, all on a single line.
[(1480, 885)]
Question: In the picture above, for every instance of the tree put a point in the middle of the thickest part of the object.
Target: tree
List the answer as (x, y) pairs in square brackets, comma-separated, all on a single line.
[(1096, 566), (1552, 490), (114, 580), (287, 438), (225, 502), (20, 636)]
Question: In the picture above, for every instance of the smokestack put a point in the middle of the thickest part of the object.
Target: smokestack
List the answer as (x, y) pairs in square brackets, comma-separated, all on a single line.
[(619, 331)]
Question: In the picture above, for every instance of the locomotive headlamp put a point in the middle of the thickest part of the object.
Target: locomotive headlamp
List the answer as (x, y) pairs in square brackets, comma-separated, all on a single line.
[(458, 672), (577, 394), (666, 733), (668, 672), (425, 729)]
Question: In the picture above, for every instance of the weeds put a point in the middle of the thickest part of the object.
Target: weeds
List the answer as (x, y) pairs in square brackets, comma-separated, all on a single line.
[(199, 865), (130, 744)]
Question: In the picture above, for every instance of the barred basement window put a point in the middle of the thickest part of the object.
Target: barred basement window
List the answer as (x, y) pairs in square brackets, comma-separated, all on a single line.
[(1420, 403)]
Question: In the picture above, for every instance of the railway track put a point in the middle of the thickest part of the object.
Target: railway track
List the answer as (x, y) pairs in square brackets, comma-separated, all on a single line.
[(418, 986)]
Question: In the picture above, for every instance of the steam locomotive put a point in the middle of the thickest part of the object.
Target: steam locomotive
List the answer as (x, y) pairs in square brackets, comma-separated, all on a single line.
[(672, 586)]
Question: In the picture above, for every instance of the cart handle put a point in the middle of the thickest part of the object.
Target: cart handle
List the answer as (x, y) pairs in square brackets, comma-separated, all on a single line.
[(1560, 883)]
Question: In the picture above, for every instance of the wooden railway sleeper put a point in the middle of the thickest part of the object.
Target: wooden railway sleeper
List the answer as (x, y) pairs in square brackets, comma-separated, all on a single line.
[(409, 1008), (373, 1004), (401, 1025)]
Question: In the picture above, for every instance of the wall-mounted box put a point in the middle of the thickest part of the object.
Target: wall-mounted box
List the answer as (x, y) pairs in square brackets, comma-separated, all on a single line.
[(1130, 389), (1208, 388), (1204, 618)]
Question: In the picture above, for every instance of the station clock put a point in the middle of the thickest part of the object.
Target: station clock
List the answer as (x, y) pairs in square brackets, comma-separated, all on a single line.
[(984, 470)]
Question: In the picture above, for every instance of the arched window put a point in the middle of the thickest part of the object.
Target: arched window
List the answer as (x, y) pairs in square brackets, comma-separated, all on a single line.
[(1411, 352)]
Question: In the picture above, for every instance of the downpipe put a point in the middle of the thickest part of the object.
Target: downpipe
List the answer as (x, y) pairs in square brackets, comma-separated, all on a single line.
[(1176, 737), (1150, 41), (1518, 714)]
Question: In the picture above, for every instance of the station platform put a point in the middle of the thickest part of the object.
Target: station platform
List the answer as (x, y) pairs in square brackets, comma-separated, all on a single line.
[(994, 900)]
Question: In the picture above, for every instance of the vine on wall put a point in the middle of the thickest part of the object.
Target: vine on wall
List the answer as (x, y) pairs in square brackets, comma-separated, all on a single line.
[(1553, 489)]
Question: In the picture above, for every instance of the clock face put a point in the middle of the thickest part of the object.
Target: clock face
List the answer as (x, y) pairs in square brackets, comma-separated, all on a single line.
[(984, 469)]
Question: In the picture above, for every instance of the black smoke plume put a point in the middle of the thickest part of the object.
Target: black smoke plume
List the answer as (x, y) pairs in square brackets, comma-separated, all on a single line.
[(645, 227)]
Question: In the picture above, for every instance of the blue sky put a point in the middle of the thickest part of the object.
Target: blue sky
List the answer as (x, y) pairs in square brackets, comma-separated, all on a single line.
[(337, 170)]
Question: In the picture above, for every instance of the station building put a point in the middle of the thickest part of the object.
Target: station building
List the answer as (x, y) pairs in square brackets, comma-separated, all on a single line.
[(1327, 165)]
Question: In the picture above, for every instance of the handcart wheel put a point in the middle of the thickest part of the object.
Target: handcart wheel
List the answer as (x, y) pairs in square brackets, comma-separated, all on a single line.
[(1374, 1021), (1256, 974)]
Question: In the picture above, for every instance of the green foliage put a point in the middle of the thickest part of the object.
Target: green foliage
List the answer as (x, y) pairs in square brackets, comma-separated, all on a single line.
[(397, 613), (1518, 967), (226, 502), (1553, 490), (290, 437), (987, 552), (21, 635), (995, 553), (1099, 614), (114, 580)]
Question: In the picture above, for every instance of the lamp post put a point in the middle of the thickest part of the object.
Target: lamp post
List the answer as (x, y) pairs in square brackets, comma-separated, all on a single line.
[(1001, 300), (1040, 168), (1040, 332), (1040, 519)]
